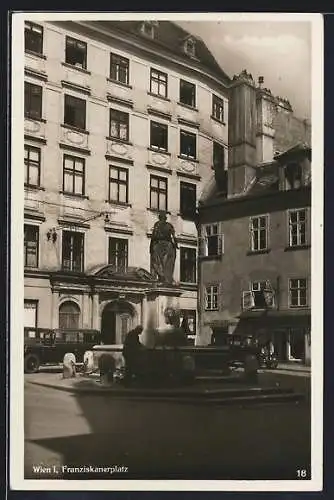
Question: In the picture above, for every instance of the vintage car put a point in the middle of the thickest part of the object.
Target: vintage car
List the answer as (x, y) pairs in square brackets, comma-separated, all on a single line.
[(50, 346)]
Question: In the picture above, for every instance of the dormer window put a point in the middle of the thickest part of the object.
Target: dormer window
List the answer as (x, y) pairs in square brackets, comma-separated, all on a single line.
[(190, 47), (148, 28), (293, 175)]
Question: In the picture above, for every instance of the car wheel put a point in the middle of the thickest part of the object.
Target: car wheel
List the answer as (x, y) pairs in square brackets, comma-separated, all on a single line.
[(31, 363)]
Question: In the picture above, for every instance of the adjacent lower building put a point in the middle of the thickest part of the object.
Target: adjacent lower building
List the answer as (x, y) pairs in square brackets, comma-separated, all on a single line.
[(255, 254)]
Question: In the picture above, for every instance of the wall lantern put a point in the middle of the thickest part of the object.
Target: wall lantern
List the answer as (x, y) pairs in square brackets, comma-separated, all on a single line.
[(52, 235)]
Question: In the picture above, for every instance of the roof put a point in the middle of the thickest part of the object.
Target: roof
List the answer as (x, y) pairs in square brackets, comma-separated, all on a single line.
[(171, 36)]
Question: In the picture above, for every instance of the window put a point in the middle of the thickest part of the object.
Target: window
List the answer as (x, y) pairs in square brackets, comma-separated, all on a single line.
[(297, 227), (259, 233), (159, 136), (118, 254), (33, 37), (32, 165), (73, 251), (32, 101), (187, 265), (293, 175), (187, 144), (75, 112), (30, 318), (187, 200), (187, 93), (218, 156), (119, 125), (158, 83), (76, 53), (263, 294), (148, 29), (74, 175), (213, 240), (69, 316), (118, 184), (217, 108), (189, 47), (119, 69), (31, 240), (158, 193), (298, 292), (211, 297)]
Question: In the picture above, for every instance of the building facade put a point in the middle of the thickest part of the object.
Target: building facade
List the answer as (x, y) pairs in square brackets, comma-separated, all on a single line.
[(255, 261), (122, 120)]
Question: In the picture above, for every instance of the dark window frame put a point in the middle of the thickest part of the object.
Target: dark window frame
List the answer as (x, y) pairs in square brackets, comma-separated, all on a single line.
[(119, 118), (33, 94), (120, 253), (75, 262), (31, 245), (75, 46), (218, 156), (188, 209), (29, 163), (161, 79), (160, 191), (74, 173), (218, 108), (37, 38), (162, 127), (119, 182), (183, 136), (184, 83), (256, 232), (119, 66), (76, 121), (188, 265)]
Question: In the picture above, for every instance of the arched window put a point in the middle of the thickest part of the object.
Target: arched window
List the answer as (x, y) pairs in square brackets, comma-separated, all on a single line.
[(69, 316)]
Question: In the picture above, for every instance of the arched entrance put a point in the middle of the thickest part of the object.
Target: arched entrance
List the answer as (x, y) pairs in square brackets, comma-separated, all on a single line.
[(116, 321)]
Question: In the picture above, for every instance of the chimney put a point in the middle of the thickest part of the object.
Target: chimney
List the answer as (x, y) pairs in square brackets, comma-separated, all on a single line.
[(265, 132), (242, 133)]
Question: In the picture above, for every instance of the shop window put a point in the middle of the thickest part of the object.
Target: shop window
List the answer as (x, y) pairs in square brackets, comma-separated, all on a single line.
[(30, 318), (69, 316), (188, 324), (76, 53)]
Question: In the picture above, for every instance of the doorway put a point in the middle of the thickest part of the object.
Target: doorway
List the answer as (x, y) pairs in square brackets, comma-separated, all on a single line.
[(117, 320)]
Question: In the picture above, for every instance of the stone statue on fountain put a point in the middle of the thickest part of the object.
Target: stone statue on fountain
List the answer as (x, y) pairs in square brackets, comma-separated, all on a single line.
[(163, 250)]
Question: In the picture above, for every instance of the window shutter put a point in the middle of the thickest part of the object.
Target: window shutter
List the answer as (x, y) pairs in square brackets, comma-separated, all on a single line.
[(202, 246), (221, 244), (205, 298), (247, 300), (220, 297)]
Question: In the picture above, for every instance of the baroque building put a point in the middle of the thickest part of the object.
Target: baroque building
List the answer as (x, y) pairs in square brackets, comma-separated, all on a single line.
[(255, 253), (122, 120)]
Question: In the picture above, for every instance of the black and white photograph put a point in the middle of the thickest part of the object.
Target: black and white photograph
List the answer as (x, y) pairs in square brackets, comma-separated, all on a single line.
[(166, 251)]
